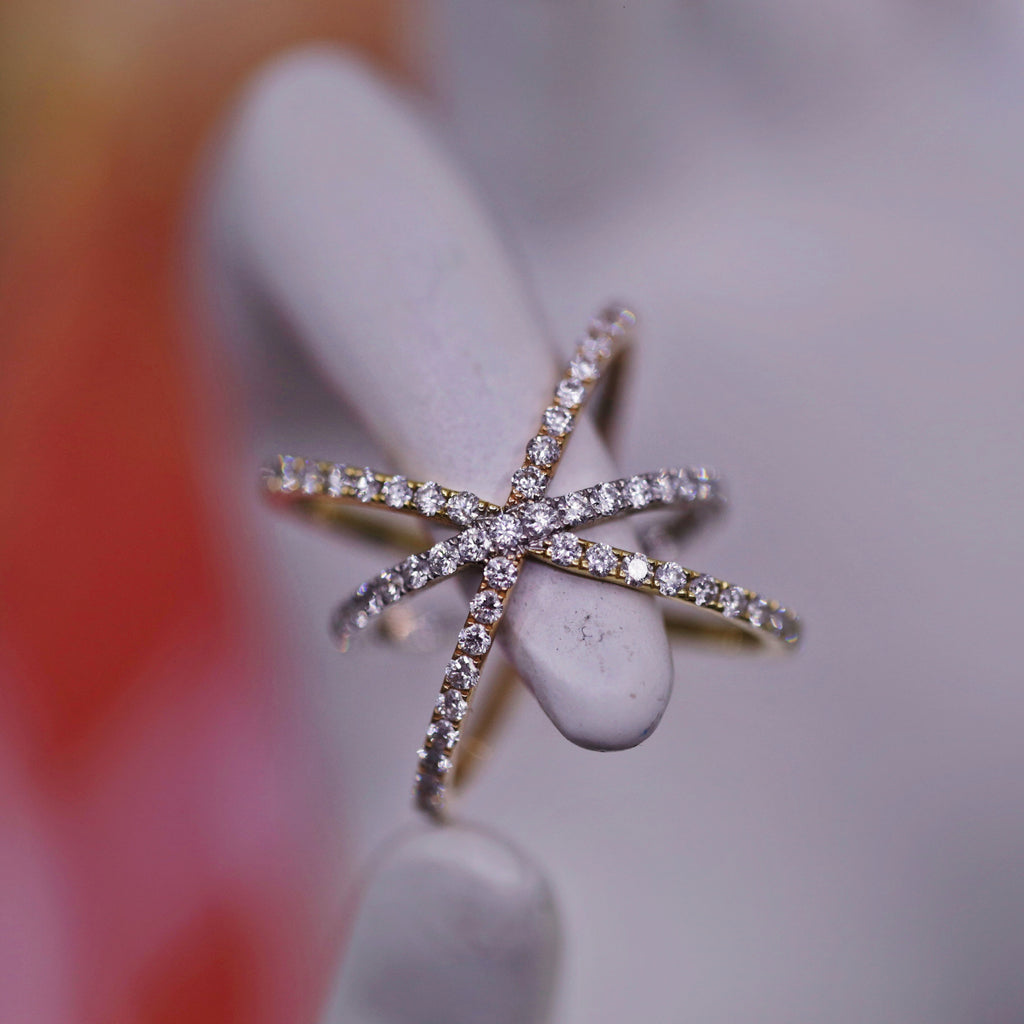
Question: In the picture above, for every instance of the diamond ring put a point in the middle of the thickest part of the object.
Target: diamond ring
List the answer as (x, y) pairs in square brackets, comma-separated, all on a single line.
[(529, 524)]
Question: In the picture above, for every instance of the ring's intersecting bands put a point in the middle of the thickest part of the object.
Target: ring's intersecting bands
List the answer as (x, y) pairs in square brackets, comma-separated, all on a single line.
[(529, 524)]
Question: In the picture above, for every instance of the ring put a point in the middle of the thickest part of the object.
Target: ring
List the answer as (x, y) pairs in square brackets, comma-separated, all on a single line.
[(529, 524)]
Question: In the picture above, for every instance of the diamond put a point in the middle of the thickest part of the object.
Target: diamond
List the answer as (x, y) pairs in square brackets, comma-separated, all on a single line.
[(600, 559), (757, 610), (557, 421), (539, 518), (569, 392), (416, 572), (463, 507), (390, 586), (475, 639), (429, 498), (474, 544), (543, 450), (442, 734), (371, 603), (776, 620), (663, 487), (529, 482), (573, 509), (501, 572), (397, 492), (506, 531), (704, 481), (367, 486), (685, 487), (433, 759), (451, 705), (486, 606), (595, 347), (313, 481), (733, 602), (291, 467), (606, 499), (462, 673), (637, 492), (565, 549), (442, 559), (429, 792), (337, 480), (703, 590), (670, 578), (636, 568), (583, 369)]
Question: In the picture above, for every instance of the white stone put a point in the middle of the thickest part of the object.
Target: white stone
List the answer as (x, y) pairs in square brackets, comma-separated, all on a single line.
[(606, 499), (397, 492), (670, 578), (600, 559), (565, 548), (637, 492), (733, 602), (475, 639), (505, 530), (703, 590), (463, 507), (366, 485), (462, 673), (501, 573), (442, 559), (539, 518), (451, 705), (474, 544), (569, 392), (636, 568), (557, 420), (486, 606), (543, 450), (429, 498), (574, 509), (529, 482), (337, 480)]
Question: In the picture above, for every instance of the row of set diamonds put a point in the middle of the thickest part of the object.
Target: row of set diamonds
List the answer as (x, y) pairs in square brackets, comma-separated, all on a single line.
[(529, 483)]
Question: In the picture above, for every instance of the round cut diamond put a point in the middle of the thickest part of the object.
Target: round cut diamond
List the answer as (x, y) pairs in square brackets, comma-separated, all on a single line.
[(433, 759), (703, 590), (543, 450), (539, 518), (757, 611), (573, 509), (291, 470), (670, 578), (366, 485), (371, 602), (506, 531), (397, 492), (463, 508), (442, 734), (390, 586), (337, 480), (416, 572), (637, 492), (473, 544), (636, 568), (557, 421), (583, 369), (595, 346), (600, 559), (777, 620), (501, 572), (606, 499), (442, 558), (685, 487), (475, 639), (451, 705), (565, 549), (486, 606), (733, 602), (569, 392), (429, 498), (462, 673), (663, 486), (313, 480), (703, 481), (529, 482)]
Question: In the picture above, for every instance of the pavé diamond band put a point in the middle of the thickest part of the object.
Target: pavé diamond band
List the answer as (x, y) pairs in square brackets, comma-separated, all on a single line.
[(528, 525)]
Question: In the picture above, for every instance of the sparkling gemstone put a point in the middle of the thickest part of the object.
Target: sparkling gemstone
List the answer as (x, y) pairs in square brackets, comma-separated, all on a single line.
[(397, 492), (613, 321), (462, 673), (501, 572), (486, 606), (442, 734), (366, 485), (777, 620), (313, 479), (606, 499), (583, 369), (416, 572), (703, 590), (637, 492), (595, 346), (370, 600), (390, 586), (790, 630), (506, 531), (429, 791), (733, 602), (463, 507), (539, 518), (636, 568), (663, 486), (565, 548), (569, 392), (442, 559), (573, 509), (433, 759), (757, 610), (337, 480), (600, 559), (685, 487), (291, 470), (529, 482), (475, 639), (429, 498), (473, 544), (670, 578), (703, 480), (451, 705), (557, 421), (543, 450)]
